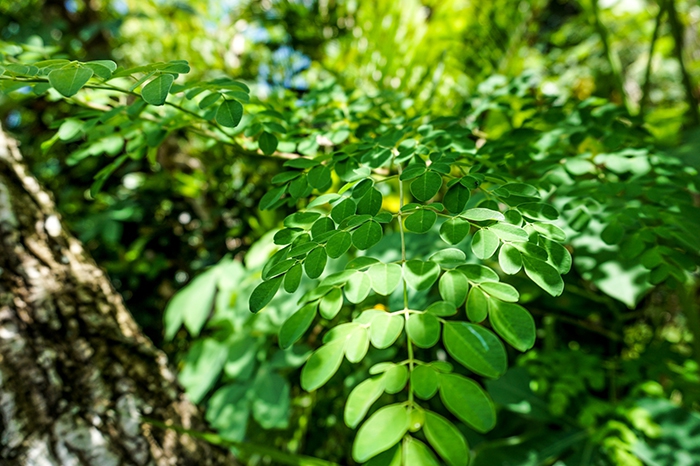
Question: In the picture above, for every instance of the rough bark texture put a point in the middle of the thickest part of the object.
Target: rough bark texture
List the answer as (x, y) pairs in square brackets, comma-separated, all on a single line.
[(76, 374)]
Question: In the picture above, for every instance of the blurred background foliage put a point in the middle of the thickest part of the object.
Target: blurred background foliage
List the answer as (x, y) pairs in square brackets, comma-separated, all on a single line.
[(614, 378)]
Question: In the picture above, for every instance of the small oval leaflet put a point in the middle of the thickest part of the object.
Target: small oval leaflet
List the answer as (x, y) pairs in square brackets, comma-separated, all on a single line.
[(69, 81), (315, 262), (467, 400), (338, 244), (384, 277), (480, 214), (420, 275), (513, 323), (502, 291), (446, 439), (361, 399), (477, 305), (384, 429), (367, 235), (268, 143), (454, 287), (423, 329), (322, 364), (454, 230), (156, 91), (425, 381), (420, 221), (475, 348), (331, 304), (296, 325), (229, 113), (264, 293), (417, 453), (426, 186), (484, 244), (385, 330)]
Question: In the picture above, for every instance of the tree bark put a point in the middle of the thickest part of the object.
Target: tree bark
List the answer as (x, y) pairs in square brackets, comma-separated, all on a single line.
[(76, 374)]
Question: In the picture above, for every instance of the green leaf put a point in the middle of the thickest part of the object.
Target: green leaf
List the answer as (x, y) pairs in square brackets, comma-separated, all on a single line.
[(209, 100), (357, 287), (322, 365), (361, 399), (367, 235), (331, 304), (475, 348), (420, 275), (478, 273), (344, 209), (509, 259), (69, 81), (426, 186), (446, 439), (454, 287), (300, 187), (323, 199), (384, 429), (361, 262), (229, 113), (338, 244), (420, 221), (442, 309), (480, 214), (544, 275), (99, 69), (296, 325), (465, 399), (392, 457), (302, 249), (370, 203), (268, 143), (384, 329), (271, 402), (538, 211), (424, 381), (454, 230), (362, 188), (550, 231), (156, 91), (513, 323), (357, 344), (449, 258), (456, 198), (507, 232), (423, 329), (191, 305), (292, 279), (315, 262), (613, 233), (418, 454), (484, 244), (395, 377), (502, 291), (278, 269), (557, 255), (263, 293), (320, 177), (271, 197), (477, 305), (321, 226), (412, 171), (384, 277)]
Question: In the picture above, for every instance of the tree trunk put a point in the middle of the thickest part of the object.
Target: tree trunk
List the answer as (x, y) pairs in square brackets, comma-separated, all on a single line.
[(76, 374)]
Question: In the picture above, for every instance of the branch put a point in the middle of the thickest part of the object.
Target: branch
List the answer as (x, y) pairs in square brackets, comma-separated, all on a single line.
[(647, 74), (677, 30)]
